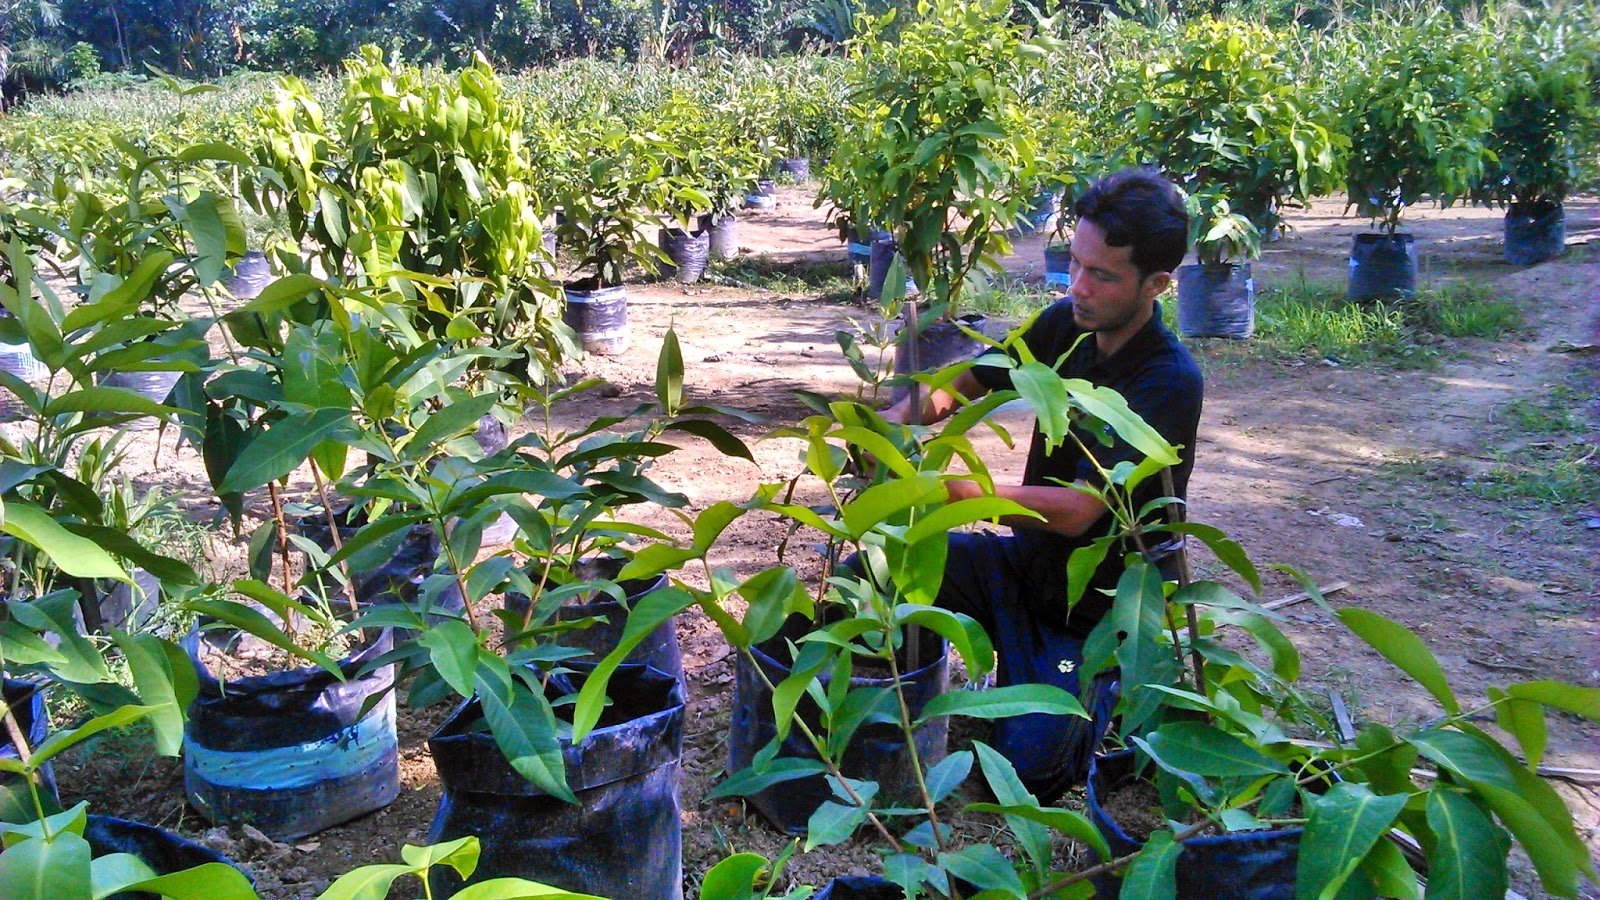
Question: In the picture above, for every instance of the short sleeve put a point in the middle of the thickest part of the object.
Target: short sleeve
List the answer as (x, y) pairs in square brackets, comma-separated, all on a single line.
[(1044, 339)]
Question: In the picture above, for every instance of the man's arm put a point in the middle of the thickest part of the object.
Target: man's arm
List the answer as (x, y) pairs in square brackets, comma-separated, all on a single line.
[(936, 405), (1066, 510)]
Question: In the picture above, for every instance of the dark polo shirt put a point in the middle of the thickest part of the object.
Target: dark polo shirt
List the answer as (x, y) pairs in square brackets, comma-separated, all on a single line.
[(1162, 384)]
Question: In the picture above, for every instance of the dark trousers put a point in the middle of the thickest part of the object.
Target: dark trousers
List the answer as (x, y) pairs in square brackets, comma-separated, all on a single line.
[(984, 579)]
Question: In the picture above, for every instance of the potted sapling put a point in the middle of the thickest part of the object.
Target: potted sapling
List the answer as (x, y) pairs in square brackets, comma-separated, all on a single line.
[(1228, 118), (1416, 114), (940, 148), (1545, 113)]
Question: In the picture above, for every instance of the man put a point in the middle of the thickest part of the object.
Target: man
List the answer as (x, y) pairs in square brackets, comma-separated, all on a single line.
[(1132, 233)]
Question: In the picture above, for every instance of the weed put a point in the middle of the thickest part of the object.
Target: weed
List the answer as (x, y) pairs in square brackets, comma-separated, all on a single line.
[(1462, 309), (1555, 412), (1560, 476), (830, 279), (1003, 298)]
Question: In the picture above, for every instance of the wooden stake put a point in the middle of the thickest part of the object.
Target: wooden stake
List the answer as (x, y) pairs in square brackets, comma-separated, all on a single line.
[(913, 632)]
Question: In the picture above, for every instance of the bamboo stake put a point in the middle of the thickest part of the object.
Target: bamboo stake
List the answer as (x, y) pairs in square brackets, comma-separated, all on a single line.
[(913, 632)]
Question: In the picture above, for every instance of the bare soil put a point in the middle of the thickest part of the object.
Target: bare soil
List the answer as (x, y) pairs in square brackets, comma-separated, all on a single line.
[(1362, 475)]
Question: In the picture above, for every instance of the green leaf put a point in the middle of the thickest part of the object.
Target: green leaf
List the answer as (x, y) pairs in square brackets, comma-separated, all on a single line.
[(1399, 646), (1153, 874), (166, 682), (834, 823), (1109, 407), (1468, 857), (647, 615), (751, 780), (1009, 790), (879, 504), (983, 866), (669, 374), (726, 442), (109, 400), (113, 872), (1391, 874), (734, 878), (61, 740), (284, 293), (945, 776), (252, 621), (964, 512), (1004, 702), (525, 730), (282, 449), (1343, 825), (1584, 701), (71, 554), (1523, 720), (456, 419), (366, 883), (460, 854), (210, 234), (963, 632), (46, 870), (516, 889), (1202, 749), (1066, 821), (209, 881), (453, 650)]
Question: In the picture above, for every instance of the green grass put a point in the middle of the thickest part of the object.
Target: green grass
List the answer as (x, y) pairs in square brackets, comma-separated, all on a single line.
[(1560, 476), (831, 280), (1000, 297), (1556, 412), (1310, 318)]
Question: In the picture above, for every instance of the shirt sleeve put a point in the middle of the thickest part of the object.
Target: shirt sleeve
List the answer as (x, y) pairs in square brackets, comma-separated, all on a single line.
[(1042, 339)]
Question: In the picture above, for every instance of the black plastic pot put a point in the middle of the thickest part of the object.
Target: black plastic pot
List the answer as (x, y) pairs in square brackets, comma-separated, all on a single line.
[(882, 254), (1253, 865), (1216, 301), (860, 887), (164, 852), (938, 345), (121, 605), (1535, 232), (26, 702), (659, 649), (688, 251), (251, 275), (798, 168), (290, 752), (877, 752), (1382, 267), (723, 231), (623, 837), (766, 187), (600, 318), (1057, 266)]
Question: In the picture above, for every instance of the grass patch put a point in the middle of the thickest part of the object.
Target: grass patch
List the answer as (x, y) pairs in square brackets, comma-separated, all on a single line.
[(831, 279), (1311, 318), (1553, 413), (1000, 297), (1558, 476)]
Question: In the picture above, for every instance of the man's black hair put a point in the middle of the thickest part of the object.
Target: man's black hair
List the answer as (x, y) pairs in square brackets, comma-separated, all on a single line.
[(1140, 209)]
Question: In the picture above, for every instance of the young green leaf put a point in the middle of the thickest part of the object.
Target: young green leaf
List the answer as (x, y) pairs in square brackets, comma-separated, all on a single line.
[(1468, 858), (1004, 702), (1400, 646), (1202, 749), (71, 554), (46, 870), (1344, 823), (1153, 874)]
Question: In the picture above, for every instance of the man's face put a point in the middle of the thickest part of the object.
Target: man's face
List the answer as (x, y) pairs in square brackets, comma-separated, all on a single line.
[(1108, 296)]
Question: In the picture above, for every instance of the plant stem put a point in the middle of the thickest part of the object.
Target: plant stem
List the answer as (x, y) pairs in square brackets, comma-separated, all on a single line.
[(333, 531), (283, 551), (911, 744), (1184, 577)]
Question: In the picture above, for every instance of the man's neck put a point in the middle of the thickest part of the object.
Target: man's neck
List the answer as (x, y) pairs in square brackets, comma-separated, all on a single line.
[(1109, 342)]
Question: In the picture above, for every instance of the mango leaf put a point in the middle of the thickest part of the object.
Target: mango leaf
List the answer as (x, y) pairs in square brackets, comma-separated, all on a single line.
[(46, 870), (282, 448), (454, 420), (809, 662), (834, 823), (525, 730), (1399, 646), (1004, 702), (1153, 874), (114, 871), (453, 650), (726, 442), (1009, 791), (983, 866), (1202, 749), (879, 504), (1111, 408), (669, 374), (1468, 857), (166, 682), (772, 595), (964, 512), (947, 775), (963, 632), (209, 881), (1584, 701), (751, 780), (1391, 874), (460, 854), (734, 878), (283, 293), (61, 740), (647, 615), (70, 553), (1066, 821), (366, 882), (253, 622), (1343, 825), (1523, 720), (516, 889)]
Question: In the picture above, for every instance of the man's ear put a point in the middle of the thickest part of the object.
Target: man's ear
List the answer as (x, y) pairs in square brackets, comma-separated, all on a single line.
[(1155, 284)]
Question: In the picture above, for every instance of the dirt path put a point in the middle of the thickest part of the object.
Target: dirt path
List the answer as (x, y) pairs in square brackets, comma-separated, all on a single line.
[(1370, 476)]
